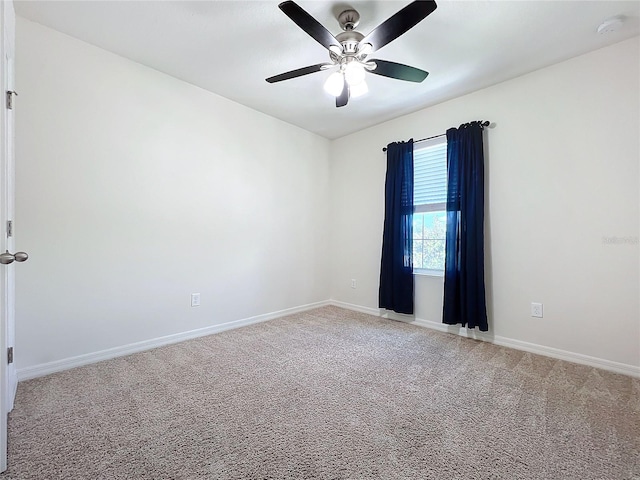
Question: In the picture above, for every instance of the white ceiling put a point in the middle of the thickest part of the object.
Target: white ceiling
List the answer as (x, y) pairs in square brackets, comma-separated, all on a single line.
[(230, 47)]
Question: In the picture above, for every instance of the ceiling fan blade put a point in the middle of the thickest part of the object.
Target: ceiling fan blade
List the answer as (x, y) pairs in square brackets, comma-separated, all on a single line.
[(298, 72), (399, 71), (309, 24), (343, 98), (399, 23)]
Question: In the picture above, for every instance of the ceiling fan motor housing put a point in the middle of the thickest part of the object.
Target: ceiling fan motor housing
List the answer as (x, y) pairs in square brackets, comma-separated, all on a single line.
[(349, 40)]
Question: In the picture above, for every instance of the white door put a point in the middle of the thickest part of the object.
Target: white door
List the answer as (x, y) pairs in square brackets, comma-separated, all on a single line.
[(8, 379)]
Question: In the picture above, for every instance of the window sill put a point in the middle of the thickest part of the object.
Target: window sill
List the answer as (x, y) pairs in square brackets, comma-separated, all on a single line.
[(428, 273)]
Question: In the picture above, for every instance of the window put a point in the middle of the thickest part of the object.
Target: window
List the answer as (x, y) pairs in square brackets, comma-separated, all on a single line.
[(430, 201)]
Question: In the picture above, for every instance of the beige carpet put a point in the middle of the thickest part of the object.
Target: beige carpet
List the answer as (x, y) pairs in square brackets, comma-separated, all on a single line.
[(328, 394)]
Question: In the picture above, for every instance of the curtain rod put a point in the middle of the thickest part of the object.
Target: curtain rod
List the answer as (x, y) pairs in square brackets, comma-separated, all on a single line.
[(482, 123)]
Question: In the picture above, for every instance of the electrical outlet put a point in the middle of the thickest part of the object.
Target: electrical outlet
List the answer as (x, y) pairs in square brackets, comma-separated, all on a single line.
[(353, 283), (195, 299), (536, 310)]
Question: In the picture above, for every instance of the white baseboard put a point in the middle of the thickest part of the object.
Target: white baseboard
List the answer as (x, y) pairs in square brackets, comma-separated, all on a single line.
[(357, 308), (81, 360), (378, 312), (604, 364)]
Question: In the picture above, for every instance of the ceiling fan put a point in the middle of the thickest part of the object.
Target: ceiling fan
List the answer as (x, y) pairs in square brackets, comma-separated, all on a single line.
[(350, 49)]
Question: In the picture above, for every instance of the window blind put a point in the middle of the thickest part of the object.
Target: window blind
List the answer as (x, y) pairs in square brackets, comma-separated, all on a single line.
[(430, 177)]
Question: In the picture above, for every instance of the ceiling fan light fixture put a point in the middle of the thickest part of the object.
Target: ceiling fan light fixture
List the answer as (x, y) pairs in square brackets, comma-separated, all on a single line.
[(334, 84), (359, 89), (335, 52), (354, 73), (364, 49)]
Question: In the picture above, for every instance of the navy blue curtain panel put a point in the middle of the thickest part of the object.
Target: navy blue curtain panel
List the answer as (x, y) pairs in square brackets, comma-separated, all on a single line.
[(396, 269), (464, 290)]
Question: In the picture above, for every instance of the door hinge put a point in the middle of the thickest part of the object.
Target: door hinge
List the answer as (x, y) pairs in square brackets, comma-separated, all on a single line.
[(9, 228), (10, 94), (10, 355)]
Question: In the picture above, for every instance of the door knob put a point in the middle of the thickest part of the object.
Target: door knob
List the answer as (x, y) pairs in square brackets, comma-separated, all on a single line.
[(21, 256), (6, 258)]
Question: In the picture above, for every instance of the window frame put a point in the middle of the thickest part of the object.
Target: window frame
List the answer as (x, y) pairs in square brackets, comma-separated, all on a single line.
[(430, 207)]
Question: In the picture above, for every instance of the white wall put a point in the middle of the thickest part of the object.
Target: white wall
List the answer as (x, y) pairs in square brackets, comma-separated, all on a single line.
[(135, 189), (562, 173)]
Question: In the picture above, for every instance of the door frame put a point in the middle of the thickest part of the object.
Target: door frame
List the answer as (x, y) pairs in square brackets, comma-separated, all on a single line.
[(8, 378)]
